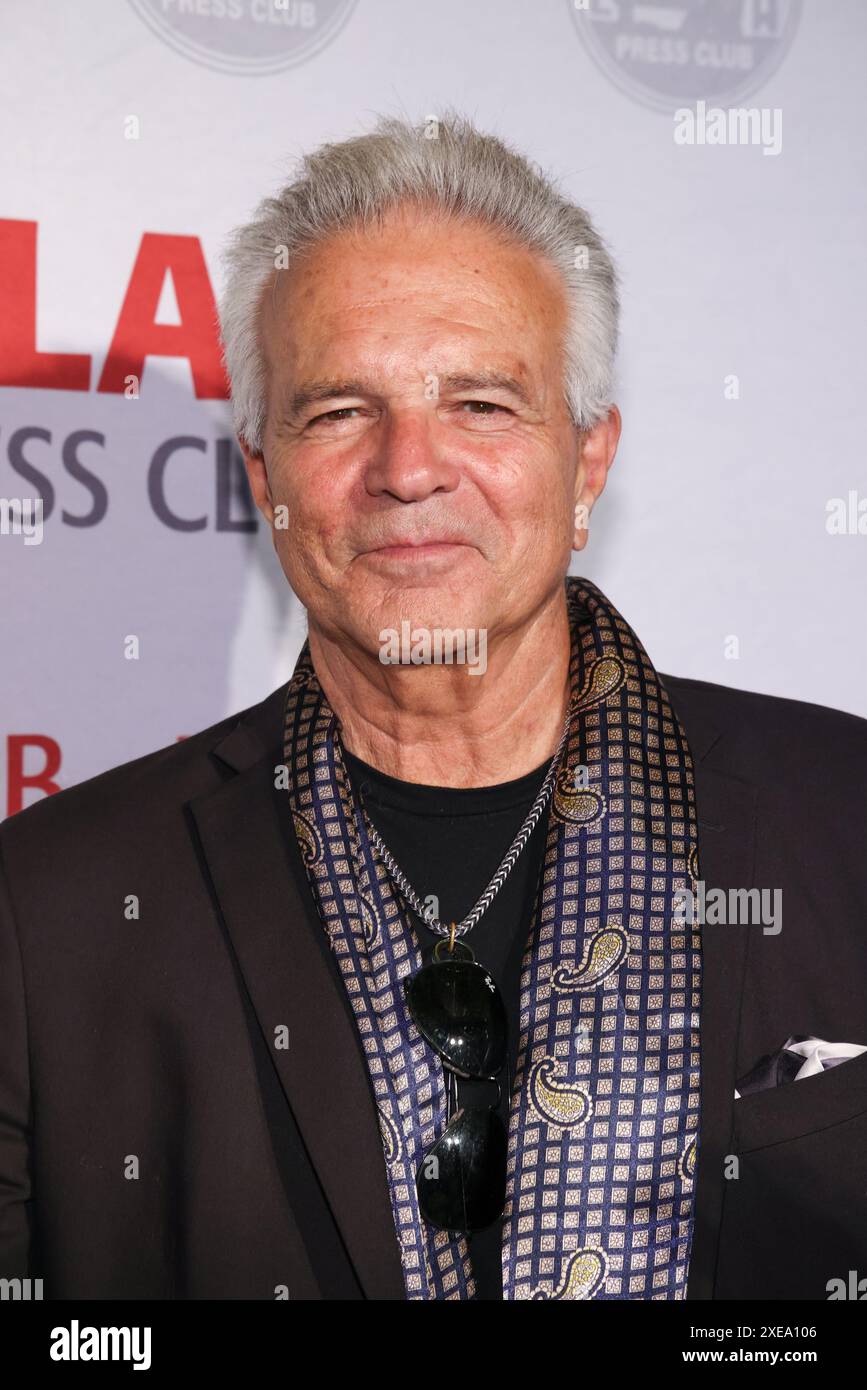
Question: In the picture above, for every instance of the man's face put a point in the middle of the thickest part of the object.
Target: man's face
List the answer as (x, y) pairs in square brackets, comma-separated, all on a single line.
[(417, 435)]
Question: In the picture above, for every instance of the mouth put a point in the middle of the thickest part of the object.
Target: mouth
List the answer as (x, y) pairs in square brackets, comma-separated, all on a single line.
[(424, 548), (415, 551)]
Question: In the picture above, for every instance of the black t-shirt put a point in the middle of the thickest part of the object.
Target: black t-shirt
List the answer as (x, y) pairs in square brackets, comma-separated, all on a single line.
[(450, 842)]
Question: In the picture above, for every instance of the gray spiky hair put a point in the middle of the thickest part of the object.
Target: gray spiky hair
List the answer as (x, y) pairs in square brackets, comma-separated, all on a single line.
[(450, 167)]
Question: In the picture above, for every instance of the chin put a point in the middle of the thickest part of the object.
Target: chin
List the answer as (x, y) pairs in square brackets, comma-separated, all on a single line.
[(427, 605)]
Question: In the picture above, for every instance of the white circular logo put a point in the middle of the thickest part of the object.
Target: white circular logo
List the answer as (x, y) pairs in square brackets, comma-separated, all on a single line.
[(251, 37), (668, 54)]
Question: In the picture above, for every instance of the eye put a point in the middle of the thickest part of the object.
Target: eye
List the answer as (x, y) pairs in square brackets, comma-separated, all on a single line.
[(336, 416), (488, 407)]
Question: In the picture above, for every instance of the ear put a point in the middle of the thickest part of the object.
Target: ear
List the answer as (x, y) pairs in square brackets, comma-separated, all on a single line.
[(596, 455), (257, 476)]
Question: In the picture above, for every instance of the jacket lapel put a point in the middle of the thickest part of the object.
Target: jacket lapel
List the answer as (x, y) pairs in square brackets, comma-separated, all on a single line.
[(259, 890), (726, 813)]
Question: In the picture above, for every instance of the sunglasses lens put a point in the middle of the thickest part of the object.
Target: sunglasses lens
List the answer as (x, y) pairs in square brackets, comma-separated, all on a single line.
[(461, 1180), (458, 1009)]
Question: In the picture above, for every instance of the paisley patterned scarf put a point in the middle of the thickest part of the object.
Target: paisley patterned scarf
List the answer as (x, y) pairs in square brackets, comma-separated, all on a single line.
[(604, 1110)]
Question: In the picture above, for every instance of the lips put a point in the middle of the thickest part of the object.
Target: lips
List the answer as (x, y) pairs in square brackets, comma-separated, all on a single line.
[(416, 554), (416, 543)]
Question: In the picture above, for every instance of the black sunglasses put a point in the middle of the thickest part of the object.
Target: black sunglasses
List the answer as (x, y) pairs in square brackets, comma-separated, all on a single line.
[(458, 1009)]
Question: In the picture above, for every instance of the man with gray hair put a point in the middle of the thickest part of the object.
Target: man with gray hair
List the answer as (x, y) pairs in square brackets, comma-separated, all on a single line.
[(421, 1006)]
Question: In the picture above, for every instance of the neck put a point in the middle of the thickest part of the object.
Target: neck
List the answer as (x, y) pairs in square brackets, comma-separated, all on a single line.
[(437, 724)]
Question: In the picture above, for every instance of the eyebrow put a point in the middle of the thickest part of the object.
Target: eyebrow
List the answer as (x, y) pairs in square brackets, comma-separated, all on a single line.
[(312, 392)]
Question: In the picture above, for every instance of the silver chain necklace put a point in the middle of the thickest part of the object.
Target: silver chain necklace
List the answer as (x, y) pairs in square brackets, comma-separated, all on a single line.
[(467, 923)]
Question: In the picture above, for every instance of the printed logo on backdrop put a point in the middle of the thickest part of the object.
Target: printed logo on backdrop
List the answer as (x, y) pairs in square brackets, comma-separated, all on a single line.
[(252, 37), (665, 54)]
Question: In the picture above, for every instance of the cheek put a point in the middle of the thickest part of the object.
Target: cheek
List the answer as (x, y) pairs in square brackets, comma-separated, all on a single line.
[(316, 517), (529, 497), (543, 530)]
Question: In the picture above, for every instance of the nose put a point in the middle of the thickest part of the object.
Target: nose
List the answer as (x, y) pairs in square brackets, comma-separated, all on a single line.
[(409, 462)]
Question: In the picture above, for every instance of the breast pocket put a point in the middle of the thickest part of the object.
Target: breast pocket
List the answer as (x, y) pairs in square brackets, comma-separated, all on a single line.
[(795, 1208), (800, 1107)]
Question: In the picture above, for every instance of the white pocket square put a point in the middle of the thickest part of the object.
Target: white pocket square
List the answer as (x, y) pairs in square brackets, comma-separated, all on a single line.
[(799, 1057)]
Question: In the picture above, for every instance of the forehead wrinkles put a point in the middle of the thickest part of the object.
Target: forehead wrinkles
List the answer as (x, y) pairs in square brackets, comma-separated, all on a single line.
[(417, 336), (473, 289), (426, 252)]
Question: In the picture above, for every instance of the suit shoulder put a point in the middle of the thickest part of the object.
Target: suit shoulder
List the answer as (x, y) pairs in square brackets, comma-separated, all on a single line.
[(773, 727), (164, 778), (731, 700)]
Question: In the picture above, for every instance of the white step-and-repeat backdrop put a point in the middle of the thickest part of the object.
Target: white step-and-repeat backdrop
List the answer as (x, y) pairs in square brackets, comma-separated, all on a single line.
[(137, 133)]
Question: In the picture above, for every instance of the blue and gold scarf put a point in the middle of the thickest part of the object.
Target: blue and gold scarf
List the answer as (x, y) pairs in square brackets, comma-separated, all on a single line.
[(604, 1111)]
